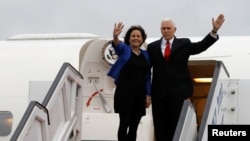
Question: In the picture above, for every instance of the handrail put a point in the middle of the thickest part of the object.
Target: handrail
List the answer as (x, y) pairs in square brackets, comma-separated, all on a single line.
[(186, 129), (57, 80), (26, 117)]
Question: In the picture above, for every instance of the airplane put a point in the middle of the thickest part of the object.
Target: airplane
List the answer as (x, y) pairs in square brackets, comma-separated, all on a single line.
[(31, 64)]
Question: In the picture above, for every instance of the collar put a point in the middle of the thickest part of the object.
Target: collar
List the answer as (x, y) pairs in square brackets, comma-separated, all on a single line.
[(164, 41), (170, 41)]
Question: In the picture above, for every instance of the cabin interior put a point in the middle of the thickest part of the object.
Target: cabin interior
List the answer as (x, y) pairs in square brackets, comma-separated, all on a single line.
[(201, 69)]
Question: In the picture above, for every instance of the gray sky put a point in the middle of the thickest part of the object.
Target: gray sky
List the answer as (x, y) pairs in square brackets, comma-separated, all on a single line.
[(192, 17)]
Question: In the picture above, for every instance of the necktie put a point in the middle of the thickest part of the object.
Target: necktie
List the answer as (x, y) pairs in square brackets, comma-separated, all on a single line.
[(167, 51)]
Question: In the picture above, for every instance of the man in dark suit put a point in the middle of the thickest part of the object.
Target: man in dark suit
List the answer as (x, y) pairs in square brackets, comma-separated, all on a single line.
[(171, 82)]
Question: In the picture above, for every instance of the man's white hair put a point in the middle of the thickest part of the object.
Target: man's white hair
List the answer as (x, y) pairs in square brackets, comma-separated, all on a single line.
[(168, 20)]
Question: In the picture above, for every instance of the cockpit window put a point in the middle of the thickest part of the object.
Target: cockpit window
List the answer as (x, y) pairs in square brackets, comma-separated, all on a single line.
[(6, 119)]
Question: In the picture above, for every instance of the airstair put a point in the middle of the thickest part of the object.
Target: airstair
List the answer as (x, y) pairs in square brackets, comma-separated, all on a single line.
[(59, 116)]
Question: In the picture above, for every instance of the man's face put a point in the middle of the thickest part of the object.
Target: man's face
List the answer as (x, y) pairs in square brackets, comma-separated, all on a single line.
[(167, 29)]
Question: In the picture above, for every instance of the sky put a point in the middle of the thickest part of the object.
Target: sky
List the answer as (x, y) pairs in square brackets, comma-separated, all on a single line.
[(192, 17)]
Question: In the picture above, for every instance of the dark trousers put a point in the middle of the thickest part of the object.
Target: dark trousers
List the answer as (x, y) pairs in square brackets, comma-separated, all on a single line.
[(165, 117), (127, 130)]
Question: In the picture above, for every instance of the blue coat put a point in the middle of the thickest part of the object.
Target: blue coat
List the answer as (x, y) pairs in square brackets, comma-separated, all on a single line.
[(124, 52)]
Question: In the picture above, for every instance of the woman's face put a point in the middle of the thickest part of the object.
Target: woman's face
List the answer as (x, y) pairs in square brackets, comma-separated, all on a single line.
[(135, 39)]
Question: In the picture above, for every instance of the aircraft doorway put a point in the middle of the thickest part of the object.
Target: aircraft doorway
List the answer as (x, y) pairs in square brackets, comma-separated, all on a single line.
[(204, 70)]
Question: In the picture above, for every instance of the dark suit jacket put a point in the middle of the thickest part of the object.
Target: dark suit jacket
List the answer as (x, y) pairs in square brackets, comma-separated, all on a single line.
[(175, 74)]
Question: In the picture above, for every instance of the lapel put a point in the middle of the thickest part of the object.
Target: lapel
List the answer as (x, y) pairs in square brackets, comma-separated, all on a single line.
[(175, 46), (158, 48)]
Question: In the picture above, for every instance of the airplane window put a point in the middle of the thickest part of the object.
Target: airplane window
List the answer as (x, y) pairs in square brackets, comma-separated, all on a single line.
[(5, 123)]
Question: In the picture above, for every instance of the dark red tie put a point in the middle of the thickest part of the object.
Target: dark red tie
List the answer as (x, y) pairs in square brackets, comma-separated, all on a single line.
[(167, 51)]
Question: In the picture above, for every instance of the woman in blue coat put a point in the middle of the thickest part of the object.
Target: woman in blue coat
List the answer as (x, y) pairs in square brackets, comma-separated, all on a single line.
[(132, 76)]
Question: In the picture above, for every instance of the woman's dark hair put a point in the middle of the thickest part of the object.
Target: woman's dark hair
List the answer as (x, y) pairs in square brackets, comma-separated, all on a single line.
[(132, 28)]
